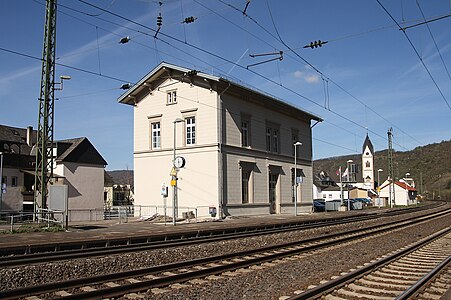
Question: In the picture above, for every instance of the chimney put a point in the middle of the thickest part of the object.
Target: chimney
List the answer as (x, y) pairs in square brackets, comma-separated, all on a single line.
[(30, 136)]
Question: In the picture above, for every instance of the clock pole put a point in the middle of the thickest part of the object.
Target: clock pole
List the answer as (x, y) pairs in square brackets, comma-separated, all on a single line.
[(174, 176)]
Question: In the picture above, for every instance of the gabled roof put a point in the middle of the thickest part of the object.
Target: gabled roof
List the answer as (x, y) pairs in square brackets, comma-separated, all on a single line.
[(405, 186), (402, 185), (16, 136), (78, 150), (367, 143), (131, 96)]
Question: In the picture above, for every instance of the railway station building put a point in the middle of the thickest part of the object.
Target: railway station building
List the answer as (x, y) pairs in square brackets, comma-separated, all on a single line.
[(235, 145)]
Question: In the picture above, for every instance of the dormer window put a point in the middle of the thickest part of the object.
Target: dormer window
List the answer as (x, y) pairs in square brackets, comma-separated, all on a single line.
[(171, 97)]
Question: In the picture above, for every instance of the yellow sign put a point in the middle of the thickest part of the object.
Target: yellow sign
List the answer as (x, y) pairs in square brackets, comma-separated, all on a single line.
[(173, 172), (173, 182)]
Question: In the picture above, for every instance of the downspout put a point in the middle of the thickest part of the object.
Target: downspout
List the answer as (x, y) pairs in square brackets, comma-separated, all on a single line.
[(220, 155)]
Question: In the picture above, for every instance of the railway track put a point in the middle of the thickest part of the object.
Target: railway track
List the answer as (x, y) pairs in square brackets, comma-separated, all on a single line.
[(419, 271), (29, 254), (153, 279)]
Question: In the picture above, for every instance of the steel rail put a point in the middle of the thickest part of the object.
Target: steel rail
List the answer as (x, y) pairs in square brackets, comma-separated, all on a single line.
[(41, 257), (108, 247), (424, 280), (334, 284), (315, 243)]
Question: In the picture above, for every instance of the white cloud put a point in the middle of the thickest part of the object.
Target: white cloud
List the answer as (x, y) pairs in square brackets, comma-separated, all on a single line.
[(298, 74), (309, 78), (312, 78)]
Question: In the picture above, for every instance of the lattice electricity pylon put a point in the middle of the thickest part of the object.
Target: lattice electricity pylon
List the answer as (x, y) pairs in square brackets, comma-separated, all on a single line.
[(44, 146), (390, 166)]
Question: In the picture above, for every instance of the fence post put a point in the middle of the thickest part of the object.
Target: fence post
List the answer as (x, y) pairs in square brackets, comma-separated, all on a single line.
[(12, 221)]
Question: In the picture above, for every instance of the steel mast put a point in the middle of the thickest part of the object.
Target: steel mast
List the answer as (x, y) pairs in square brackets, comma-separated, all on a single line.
[(44, 146), (390, 167)]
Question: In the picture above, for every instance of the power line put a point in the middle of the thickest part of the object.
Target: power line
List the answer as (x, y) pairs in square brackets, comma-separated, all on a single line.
[(433, 39), (63, 65), (416, 52), (238, 65), (318, 71)]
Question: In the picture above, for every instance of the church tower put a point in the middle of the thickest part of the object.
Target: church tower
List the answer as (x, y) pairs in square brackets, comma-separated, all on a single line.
[(368, 164)]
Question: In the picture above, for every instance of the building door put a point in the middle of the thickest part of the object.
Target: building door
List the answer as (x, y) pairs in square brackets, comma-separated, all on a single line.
[(273, 192)]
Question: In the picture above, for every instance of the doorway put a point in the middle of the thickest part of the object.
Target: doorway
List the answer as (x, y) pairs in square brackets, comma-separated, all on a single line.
[(273, 178)]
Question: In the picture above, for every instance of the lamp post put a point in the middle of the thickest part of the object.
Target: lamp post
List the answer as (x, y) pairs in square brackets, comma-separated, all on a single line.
[(407, 190), (295, 178), (1, 180), (379, 186), (174, 175), (347, 175)]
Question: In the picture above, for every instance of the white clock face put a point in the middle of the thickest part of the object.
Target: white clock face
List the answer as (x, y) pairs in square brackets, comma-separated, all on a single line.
[(179, 162)]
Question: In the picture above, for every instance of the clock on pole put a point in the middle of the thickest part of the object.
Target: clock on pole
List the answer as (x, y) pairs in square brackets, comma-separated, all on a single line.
[(179, 162)]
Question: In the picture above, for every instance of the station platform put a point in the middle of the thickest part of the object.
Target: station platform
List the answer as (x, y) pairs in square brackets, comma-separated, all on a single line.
[(134, 227)]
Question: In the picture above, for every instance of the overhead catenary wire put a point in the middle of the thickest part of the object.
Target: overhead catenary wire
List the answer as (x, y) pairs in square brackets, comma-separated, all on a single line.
[(433, 39), (63, 65), (229, 62), (319, 72), (416, 52), (287, 129), (243, 67)]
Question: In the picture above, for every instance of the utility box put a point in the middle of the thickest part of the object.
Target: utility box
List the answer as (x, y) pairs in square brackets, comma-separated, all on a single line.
[(333, 205), (58, 200)]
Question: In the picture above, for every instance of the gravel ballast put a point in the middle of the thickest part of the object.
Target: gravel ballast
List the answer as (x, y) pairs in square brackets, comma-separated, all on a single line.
[(269, 283)]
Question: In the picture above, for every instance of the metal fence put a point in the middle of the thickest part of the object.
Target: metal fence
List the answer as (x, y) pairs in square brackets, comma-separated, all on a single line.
[(13, 220)]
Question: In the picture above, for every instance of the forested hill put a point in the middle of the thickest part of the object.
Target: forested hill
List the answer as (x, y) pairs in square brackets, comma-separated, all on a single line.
[(431, 163)]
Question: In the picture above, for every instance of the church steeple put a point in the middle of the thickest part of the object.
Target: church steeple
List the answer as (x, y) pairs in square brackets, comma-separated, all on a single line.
[(368, 163)]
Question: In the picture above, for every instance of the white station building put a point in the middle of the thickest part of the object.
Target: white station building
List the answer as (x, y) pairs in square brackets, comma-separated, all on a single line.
[(235, 145)]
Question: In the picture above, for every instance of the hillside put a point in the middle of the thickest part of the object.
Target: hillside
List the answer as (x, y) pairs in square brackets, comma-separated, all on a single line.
[(120, 177), (431, 162)]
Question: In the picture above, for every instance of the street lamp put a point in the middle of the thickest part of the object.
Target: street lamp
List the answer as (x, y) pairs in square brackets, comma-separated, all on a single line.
[(407, 191), (1, 180), (379, 186), (347, 175), (378, 182), (174, 175), (295, 178)]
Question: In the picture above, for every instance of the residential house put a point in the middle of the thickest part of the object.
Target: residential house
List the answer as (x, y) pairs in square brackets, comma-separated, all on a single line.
[(399, 192), (118, 190), (77, 164), (81, 167), (237, 145), (18, 167)]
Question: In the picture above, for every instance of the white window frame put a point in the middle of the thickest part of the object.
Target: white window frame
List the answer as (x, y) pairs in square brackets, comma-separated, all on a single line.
[(248, 187), (245, 133), (155, 135), (171, 97), (190, 130), (272, 138), (268, 139), (275, 140)]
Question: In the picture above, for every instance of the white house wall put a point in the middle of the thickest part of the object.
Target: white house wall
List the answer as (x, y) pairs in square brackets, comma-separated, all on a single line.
[(198, 180)]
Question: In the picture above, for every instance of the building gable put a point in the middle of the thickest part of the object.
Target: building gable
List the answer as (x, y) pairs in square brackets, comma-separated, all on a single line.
[(79, 151)]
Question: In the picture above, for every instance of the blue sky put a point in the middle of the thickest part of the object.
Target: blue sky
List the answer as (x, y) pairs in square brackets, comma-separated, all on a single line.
[(372, 76)]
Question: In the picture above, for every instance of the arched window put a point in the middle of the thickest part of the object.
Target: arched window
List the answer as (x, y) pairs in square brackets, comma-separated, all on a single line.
[(368, 164)]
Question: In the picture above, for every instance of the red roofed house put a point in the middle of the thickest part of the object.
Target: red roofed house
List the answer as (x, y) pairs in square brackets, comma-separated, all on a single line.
[(401, 192)]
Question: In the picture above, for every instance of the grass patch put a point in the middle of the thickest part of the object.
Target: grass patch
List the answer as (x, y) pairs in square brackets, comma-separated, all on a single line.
[(27, 228)]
